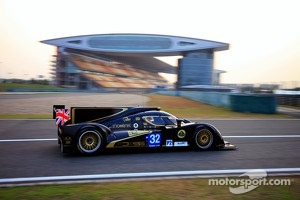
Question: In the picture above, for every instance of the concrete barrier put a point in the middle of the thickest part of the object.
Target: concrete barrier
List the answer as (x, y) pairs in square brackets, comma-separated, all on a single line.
[(253, 103)]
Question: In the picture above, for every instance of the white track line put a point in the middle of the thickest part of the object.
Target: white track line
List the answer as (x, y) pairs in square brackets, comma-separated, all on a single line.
[(145, 175), (262, 136), (228, 136)]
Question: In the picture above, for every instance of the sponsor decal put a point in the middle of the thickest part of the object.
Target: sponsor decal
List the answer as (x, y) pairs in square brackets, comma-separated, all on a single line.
[(154, 140), (67, 140), (137, 118), (139, 144), (135, 125), (130, 144), (126, 119), (181, 144), (169, 143), (181, 134), (121, 126), (122, 144)]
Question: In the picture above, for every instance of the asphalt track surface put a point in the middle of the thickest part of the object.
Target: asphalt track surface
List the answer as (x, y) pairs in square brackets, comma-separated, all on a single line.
[(42, 158)]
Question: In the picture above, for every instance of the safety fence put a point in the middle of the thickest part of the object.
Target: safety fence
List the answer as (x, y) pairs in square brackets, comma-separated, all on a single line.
[(237, 102)]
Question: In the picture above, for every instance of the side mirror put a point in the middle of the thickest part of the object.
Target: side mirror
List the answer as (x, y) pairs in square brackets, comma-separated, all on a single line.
[(179, 121), (186, 121)]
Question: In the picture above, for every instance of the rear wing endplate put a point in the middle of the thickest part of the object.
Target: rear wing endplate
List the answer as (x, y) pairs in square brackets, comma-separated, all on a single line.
[(56, 107)]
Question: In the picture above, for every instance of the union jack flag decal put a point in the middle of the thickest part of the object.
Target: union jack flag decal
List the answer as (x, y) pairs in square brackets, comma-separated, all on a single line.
[(62, 115)]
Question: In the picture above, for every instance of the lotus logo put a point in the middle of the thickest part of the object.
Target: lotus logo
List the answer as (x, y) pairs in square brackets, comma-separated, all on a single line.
[(181, 134)]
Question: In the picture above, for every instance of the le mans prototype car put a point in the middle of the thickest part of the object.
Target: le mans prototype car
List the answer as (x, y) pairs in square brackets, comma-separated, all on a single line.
[(90, 130)]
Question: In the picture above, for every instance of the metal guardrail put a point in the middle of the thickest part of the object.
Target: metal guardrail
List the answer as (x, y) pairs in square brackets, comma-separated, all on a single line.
[(288, 100)]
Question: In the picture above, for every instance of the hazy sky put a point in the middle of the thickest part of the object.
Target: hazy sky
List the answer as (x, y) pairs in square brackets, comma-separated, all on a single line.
[(264, 35)]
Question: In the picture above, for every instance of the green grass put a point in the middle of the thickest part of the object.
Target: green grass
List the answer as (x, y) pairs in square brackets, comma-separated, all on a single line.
[(148, 190), (5, 86)]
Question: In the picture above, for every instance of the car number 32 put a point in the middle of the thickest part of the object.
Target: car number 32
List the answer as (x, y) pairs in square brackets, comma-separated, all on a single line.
[(154, 140)]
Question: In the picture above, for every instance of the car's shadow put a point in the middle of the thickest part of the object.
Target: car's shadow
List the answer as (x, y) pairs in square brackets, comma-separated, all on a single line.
[(136, 151)]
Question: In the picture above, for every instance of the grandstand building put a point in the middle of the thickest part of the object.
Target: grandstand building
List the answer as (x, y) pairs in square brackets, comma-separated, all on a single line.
[(128, 61)]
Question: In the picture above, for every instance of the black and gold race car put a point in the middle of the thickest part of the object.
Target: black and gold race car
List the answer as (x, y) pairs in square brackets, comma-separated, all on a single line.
[(90, 130)]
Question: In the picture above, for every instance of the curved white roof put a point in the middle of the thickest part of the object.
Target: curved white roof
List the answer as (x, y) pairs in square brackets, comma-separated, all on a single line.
[(122, 44)]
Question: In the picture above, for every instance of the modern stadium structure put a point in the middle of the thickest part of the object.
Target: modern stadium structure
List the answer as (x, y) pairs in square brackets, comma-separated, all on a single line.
[(129, 61)]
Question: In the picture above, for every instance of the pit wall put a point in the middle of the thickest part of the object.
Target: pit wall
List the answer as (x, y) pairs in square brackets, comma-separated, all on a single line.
[(236, 102)]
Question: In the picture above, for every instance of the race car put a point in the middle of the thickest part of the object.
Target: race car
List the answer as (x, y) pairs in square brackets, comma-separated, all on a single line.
[(91, 130)]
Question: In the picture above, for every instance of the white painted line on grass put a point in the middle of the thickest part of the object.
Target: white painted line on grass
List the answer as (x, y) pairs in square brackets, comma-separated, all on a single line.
[(207, 173)]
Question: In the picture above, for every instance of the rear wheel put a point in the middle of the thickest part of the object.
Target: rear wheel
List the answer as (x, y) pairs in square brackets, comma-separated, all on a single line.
[(204, 139), (90, 141)]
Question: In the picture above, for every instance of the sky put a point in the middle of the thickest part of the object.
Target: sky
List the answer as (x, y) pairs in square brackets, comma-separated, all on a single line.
[(264, 35)]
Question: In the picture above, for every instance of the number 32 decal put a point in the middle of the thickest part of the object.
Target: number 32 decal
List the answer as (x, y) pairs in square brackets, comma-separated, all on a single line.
[(154, 140)]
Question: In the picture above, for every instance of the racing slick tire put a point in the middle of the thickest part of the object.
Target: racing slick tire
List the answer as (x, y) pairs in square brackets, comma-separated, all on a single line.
[(90, 141), (204, 139)]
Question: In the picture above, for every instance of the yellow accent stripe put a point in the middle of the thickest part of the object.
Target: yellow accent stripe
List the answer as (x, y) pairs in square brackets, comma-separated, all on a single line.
[(123, 110)]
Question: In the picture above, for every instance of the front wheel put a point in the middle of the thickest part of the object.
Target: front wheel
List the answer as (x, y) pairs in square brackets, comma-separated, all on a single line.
[(204, 139), (90, 141)]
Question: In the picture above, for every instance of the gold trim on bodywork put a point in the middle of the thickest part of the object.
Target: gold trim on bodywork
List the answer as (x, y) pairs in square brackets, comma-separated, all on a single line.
[(131, 134), (123, 110), (137, 132)]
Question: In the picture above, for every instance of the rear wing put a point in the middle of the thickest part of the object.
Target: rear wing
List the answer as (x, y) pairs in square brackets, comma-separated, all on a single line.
[(55, 108), (61, 115), (84, 114)]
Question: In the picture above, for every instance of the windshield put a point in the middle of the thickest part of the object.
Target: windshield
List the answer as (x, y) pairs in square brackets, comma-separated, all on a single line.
[(169, 118), (160, 118)]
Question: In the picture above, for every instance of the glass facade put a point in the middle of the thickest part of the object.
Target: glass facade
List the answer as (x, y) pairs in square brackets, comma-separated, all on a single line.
[(196, 69), (130, 42)]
